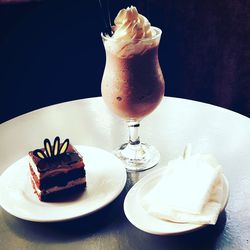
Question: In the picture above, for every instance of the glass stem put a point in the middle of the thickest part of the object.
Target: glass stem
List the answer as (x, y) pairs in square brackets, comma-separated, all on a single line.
[(133, 127)]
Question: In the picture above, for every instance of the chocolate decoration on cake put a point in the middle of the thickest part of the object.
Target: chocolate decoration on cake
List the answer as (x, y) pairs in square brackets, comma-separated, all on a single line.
[(56, 145), (52, 151)]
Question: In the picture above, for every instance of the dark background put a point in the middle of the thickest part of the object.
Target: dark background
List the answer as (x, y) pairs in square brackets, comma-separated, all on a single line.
[(51, 51)]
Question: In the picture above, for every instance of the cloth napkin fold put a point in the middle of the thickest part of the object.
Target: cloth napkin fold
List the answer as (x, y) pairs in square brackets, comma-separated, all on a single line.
[(190, 191)]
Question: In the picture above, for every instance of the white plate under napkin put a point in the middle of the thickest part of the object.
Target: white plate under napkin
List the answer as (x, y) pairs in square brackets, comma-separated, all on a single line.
[(138, 216)]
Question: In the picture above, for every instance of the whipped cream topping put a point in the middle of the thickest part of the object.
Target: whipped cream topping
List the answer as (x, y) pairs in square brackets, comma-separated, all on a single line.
[(132, 34), (130, 25)]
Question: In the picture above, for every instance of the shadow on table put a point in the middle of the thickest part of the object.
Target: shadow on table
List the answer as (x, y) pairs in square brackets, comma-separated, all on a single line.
[(107, 218), (208, 238)]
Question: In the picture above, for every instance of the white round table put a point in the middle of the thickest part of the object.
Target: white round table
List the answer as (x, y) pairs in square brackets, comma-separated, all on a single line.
[(175, 123)]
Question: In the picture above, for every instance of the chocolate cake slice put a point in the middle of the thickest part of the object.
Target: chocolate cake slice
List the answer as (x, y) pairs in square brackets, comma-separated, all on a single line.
[(57, 170)]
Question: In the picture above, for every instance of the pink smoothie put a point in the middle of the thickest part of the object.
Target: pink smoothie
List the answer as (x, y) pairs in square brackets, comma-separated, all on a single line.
[(133, 86)]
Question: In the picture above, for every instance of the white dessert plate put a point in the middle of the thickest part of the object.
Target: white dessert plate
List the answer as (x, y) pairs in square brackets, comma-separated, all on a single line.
[(150, 224), (106, 178)]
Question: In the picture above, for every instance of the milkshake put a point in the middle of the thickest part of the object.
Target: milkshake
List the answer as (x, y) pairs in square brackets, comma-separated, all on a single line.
[(132, 83)]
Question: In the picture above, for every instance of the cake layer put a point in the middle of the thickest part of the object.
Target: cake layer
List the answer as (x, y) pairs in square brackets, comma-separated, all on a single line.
[(53, 172), (55, 189), (60, 193), (60, 179)]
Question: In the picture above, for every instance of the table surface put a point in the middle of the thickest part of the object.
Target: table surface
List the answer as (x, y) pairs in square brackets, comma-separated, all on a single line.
[(175, 123)]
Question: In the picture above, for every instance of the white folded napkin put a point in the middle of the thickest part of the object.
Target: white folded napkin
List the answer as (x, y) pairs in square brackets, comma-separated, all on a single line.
[(190, 191)]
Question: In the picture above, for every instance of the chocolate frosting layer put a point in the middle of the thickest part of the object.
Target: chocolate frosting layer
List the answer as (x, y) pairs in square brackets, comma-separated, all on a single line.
[(66, 159)]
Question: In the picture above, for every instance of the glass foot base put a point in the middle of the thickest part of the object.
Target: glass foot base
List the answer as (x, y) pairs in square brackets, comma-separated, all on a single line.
[(138, 157)]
